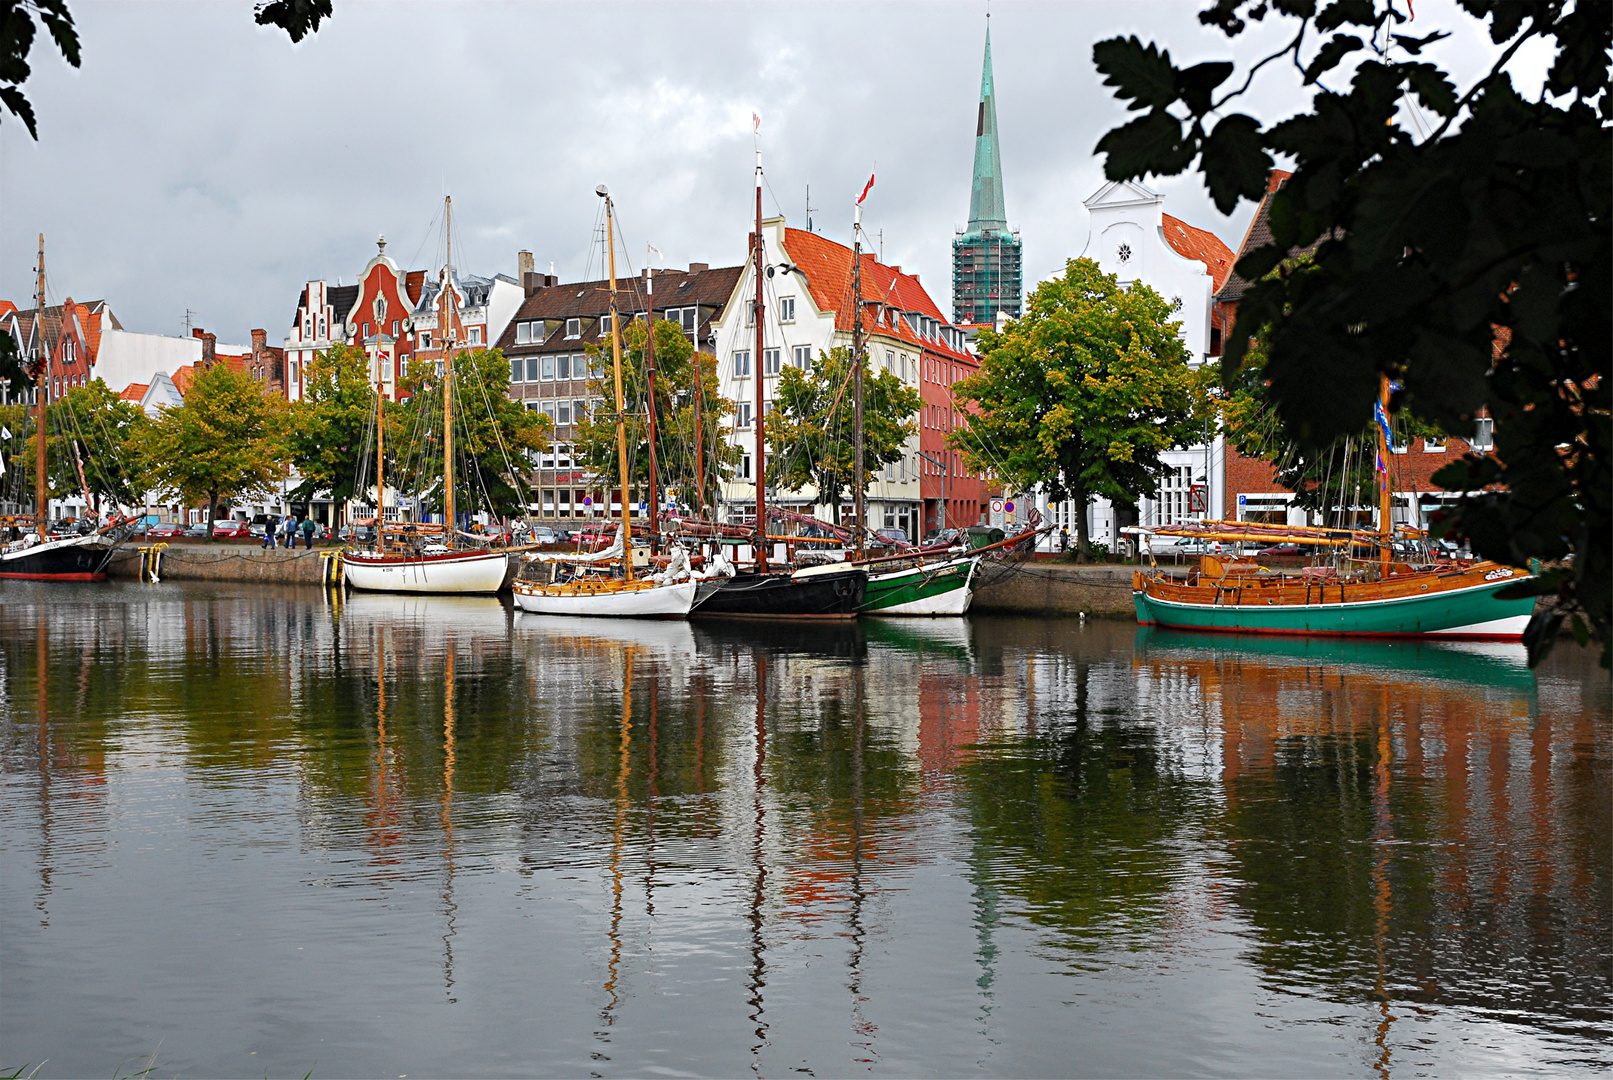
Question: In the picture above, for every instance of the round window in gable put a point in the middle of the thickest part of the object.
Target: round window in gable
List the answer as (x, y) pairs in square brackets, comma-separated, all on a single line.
[(1176, 303), (1124, 253)]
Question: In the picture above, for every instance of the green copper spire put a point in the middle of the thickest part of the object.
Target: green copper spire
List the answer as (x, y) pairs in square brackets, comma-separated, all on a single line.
[(986, 210)]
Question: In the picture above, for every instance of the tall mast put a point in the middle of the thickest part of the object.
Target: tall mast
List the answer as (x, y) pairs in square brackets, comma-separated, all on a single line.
[(448, 374), (699, 405), (649, 363), (621, 400), (1385, 496), (859, 494), (759, 257), (380, 465), (41, 354)]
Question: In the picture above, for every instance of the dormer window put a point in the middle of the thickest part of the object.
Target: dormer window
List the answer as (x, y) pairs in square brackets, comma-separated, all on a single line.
[(573, 327), (604, 325), (523, 333)]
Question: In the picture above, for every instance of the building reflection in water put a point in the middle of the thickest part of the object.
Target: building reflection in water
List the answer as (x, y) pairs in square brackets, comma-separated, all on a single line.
[(1386, 826)]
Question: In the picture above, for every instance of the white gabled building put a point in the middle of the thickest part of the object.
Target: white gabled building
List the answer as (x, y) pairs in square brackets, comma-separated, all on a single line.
[(1133, 238), (808, 303)]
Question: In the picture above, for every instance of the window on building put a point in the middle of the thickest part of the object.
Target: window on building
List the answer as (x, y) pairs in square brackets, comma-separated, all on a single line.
[(596, 365), (786, 309), (562, 412), (744, 467), (1433, 445), (750, 313), (548, 369), (516, 367), (1484, 434), (742, 417), (532, 363), (523, 333), (604, 326), (547, 460), (550, 412), (890, 361), (579, 411), (438, 366), (691, 319), (564, 508), (771, 361), (742, 364), (802, 356), (573, 328), (562, 367), (425, 339), (548, 502), (476, 335)]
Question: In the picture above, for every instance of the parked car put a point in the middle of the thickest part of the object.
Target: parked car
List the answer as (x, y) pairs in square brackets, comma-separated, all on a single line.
[(892, 536), (165, 530), (495, 534), (542, 534), (1187, 546), (197, 530), (357, 534), (1278, 551), (231, 529), (258, 525)]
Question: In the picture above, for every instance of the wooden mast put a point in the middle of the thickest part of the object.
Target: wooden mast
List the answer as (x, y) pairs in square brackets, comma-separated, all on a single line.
[(448, 375), (759, 257), (380, 465), (621, 401), (42, 354), (1385, 495), (649, 363), (860, 496)]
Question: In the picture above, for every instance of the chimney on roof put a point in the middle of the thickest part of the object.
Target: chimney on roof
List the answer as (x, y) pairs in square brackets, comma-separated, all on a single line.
[(699, 268), (209, 343), (534, 282), (260, 338), (523, 265)]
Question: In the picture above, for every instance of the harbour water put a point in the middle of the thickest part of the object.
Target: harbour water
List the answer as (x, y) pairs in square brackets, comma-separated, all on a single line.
[(249, 832)]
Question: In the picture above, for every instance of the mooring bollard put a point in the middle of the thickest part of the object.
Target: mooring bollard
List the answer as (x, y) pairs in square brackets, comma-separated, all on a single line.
[(151, 562), (331, 568)]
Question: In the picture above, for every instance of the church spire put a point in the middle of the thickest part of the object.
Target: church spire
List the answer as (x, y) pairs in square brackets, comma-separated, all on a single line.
[(986, 210)]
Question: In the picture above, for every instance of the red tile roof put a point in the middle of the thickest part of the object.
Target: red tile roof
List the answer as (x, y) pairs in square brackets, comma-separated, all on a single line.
[(1203, 245), (827, 266), (135, 391)]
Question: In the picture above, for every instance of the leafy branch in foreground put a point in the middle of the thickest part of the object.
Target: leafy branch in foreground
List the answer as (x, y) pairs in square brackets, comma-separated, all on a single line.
[(1466, 256)]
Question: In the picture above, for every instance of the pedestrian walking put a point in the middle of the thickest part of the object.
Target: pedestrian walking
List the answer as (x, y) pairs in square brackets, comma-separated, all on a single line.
[(308, 532), (1064, 539), (290, 536), (271, 530)]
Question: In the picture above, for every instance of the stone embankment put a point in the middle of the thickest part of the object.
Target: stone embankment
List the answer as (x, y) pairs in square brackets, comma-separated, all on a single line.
[(226, 562), (1046, 588)]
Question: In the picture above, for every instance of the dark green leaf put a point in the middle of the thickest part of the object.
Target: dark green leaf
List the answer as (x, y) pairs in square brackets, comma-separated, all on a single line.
[(1235, 163), (1141, 74), (59, 21), (298, 18), (1356, 12), (1196, 83), (12, 99), (1149, 144), (1416, 45), (1432, 87), (1327, 58)]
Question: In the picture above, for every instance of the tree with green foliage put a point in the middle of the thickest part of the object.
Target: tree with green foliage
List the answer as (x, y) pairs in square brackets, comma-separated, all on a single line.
[(1084, 393), (494, 438), (331, 432), (1466, 256), (677, 366), (810, 432), (90, 427), (225, 441)]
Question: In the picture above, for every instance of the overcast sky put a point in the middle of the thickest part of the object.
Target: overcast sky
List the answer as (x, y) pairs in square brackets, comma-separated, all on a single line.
[(197, 161)]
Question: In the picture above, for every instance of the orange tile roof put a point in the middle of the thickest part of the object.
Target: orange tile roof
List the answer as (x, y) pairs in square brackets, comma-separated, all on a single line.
[(828, 272), (135, 391), (1203, 245), (184, 376)]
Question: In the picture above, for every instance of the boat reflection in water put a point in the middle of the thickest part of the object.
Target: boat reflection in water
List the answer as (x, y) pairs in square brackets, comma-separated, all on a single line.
[(624, 847)]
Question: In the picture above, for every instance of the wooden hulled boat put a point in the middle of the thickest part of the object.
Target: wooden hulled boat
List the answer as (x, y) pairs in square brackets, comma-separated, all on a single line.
[(71, 558), (834, 591), (604, 585), (935, 588), (1456, 601), (443, 567)]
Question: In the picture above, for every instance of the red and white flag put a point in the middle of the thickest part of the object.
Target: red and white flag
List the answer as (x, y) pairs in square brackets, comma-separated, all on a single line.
[(866, 189), (756, 123)]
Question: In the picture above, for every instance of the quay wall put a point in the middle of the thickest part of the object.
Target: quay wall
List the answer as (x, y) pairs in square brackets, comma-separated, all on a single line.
[(1041, 588), (227, 562)]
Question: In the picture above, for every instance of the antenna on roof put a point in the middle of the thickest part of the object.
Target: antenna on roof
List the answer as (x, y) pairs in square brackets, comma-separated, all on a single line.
[(189, 321), (809, 207)]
